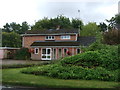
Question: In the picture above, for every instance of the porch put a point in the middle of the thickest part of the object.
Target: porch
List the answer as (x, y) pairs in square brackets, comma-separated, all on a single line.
[(53, 53)]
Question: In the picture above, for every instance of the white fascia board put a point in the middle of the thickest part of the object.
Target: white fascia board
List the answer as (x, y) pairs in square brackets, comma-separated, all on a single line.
[(47, 34), (54, 46)]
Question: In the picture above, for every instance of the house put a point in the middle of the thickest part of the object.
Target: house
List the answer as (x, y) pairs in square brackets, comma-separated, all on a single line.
[(53, 44), (7, 52)]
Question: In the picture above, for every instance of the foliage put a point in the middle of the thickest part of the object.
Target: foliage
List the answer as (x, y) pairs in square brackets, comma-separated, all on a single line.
[(76, 23), (114, 22), (103, 27), (17, 28), (91, 29), (22, 54), (53, 23), (99, 62), (72, 72), (111, 37), (11, 39)]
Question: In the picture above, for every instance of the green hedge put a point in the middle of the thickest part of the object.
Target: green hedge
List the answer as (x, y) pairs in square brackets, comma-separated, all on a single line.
[(22, 54), (73, 72)]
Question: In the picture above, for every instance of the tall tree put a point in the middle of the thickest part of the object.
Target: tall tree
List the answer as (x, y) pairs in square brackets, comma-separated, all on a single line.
[(114, 22), (103, 27), (17, 28), (90, 29), (52, 23), (11, 39), (76, 23)]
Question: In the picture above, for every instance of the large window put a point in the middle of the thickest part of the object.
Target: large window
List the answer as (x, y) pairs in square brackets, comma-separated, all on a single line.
[(65, 37), (36, 50), (50, 37)]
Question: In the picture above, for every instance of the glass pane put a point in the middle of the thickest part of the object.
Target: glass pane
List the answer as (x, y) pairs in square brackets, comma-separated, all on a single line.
[(48, 51), (43, 51), (36, 50), (43, 56), (48, 56)]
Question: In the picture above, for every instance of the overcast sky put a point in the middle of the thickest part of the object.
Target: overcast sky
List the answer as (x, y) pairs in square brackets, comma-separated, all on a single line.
[(33, 10)]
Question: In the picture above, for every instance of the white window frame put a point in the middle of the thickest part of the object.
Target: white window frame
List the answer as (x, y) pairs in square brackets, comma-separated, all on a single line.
[(35, 50), (65, 37), (49, 38)]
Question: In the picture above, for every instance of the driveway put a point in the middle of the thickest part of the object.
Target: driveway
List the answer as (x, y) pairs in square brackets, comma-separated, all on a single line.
[(10, 62)]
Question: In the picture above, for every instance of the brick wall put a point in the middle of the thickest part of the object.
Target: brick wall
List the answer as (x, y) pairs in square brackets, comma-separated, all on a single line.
[(28, 40)]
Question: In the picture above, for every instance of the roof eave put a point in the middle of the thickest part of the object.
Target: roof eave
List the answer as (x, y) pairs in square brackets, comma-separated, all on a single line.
[(47, 34)]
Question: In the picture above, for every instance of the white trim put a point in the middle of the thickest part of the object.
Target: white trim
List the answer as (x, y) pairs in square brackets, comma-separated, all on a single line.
[(46, 54), (76, 37), (47, 34), (35, 51), (49, 38), (55, 46)]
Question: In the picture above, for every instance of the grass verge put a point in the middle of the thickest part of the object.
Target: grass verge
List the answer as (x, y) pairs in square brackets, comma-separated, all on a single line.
[(15, 77)]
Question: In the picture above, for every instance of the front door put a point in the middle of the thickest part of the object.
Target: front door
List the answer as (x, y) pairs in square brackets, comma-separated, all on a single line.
[(46, 54)]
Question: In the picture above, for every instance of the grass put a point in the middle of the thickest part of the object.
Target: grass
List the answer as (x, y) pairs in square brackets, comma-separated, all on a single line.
[(15, 77)]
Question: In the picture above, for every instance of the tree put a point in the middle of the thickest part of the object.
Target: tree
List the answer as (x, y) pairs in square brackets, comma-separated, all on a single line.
[(103, 27), (52, 23), (111, 37), (11, 39), (24, 27), (76, 23), (7, 28), (114, 22), (17, 28), (90, 29)]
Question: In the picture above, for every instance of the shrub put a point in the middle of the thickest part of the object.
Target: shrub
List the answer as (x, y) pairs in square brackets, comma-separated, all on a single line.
[(73, 72), (111, 37), (22, 54)]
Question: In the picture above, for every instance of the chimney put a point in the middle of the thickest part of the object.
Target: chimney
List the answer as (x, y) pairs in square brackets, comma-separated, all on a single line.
[(58, 27)]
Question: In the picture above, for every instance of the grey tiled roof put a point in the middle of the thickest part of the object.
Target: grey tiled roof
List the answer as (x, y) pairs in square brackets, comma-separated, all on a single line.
[(52, 31), (84, 41)]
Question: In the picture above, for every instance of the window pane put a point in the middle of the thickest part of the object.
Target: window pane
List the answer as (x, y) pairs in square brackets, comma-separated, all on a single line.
[(43, 51), (48, 51)]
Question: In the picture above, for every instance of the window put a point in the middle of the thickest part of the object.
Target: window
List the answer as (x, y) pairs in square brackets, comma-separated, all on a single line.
[(36, 50), (78, 51), (65, 37), (49, 37)]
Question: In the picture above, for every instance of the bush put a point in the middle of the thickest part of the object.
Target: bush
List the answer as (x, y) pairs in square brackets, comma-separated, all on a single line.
[(73, 72), (111, 37), (22, 54)]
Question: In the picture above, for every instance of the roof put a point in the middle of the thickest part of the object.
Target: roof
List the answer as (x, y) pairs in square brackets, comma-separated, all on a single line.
[(51, 31), (84, 41)]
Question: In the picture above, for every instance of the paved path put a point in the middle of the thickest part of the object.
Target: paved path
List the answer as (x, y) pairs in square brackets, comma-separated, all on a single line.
[(10, 62)]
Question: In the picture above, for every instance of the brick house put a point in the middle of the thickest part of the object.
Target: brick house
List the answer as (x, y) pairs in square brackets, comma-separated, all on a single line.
[(53, 44)]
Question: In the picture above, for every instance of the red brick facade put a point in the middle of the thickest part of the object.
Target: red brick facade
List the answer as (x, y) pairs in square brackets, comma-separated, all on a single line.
[(28, 40), (49, 53)]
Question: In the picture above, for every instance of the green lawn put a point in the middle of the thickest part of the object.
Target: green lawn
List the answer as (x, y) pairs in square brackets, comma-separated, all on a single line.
[(15, 77)]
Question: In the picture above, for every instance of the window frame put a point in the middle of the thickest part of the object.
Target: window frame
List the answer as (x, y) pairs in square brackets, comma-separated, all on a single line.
[(49, 37), (65, 37)]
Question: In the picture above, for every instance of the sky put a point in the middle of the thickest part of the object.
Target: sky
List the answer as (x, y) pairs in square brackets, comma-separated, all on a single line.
[(33, 10)]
